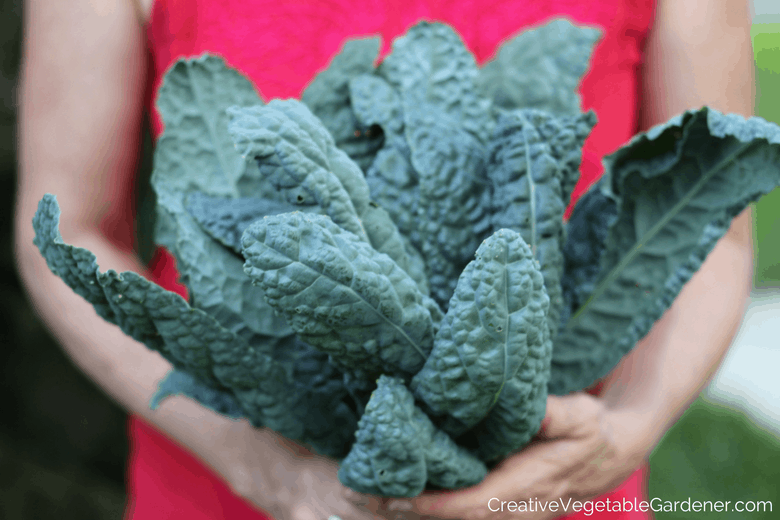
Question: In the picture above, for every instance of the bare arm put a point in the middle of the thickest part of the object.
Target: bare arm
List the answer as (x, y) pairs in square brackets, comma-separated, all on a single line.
[(82, 81), (81, 106), (698, 53)]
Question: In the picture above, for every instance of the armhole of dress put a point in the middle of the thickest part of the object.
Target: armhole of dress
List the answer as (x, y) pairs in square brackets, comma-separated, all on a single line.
[(143, 9)]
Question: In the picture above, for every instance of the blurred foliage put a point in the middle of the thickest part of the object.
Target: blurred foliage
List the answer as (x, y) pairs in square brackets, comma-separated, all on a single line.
[(714, 453), (766, 47)]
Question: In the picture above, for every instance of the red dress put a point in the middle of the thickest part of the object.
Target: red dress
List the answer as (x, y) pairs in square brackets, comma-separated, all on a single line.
[(280, 46)]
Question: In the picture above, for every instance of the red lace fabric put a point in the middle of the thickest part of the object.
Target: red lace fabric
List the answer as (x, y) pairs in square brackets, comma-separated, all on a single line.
[(281, 46)]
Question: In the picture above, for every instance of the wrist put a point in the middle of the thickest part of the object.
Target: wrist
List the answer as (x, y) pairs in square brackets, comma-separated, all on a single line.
[(634, 434)]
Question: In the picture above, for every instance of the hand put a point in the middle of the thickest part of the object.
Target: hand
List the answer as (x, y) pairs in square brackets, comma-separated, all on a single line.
[(584, 450), (285, 479)]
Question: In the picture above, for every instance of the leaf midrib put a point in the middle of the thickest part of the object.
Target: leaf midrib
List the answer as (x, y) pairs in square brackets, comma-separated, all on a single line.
[(531, 185), (360, 296), (653, 231)]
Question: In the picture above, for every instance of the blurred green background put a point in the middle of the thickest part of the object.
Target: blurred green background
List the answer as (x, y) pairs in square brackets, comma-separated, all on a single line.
[(63, 444), (766, 47)]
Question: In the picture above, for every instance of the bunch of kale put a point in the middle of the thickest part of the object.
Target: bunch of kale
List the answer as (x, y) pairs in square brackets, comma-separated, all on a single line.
[(383, 271)]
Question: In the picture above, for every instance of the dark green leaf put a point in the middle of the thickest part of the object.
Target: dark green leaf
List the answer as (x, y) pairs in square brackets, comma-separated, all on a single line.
[(339, 294), (678, 187), (450, 163), (225, 219), (328, 97), (527, 198), (398, 450), (540, 68), (496, 317), (430, 65), (195, 154)]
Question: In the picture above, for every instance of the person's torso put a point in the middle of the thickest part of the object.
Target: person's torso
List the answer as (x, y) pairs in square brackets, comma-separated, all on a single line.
[(280, 46)]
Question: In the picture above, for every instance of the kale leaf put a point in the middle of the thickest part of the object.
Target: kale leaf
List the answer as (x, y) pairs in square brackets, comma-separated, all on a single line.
[(586, 239), (496, 317), (196, 154), (398, 449), (328, 97), (226, 219), (219, 361), (430, 65), (540, 68), (527, 197), (677, 186), (340, 295)]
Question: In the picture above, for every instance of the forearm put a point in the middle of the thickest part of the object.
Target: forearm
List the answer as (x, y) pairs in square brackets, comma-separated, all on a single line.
[(99, 348), (80, 110), (668, 368)]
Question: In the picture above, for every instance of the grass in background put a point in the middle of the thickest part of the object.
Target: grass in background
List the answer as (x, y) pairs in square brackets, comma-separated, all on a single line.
[(766, 48), (714, 453)]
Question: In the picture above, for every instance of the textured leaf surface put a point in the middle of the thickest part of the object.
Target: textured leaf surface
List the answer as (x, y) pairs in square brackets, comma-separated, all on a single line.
[(328, 97), (304, 163), (375, 102), (380, 230), (431, 65), (386, 238), (496, 317), (453, 212), (195, 154), (678, 187), (159, 319), (225, 219), (566, 135), (339, 294), (346, 171), (192, 101), (527, 198), (398, 450), (393, 183), (518, 414), (295, 159), (540, 68), (586, 238), (298, 407)]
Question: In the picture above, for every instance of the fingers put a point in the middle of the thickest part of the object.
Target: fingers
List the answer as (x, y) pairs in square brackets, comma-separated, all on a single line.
[(446, 505)]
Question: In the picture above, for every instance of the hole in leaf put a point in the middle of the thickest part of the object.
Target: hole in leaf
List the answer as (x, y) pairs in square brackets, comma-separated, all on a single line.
[(374, 131)]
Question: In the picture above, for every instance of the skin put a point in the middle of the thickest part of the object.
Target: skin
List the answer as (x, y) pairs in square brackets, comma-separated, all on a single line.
[(80, 112)]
